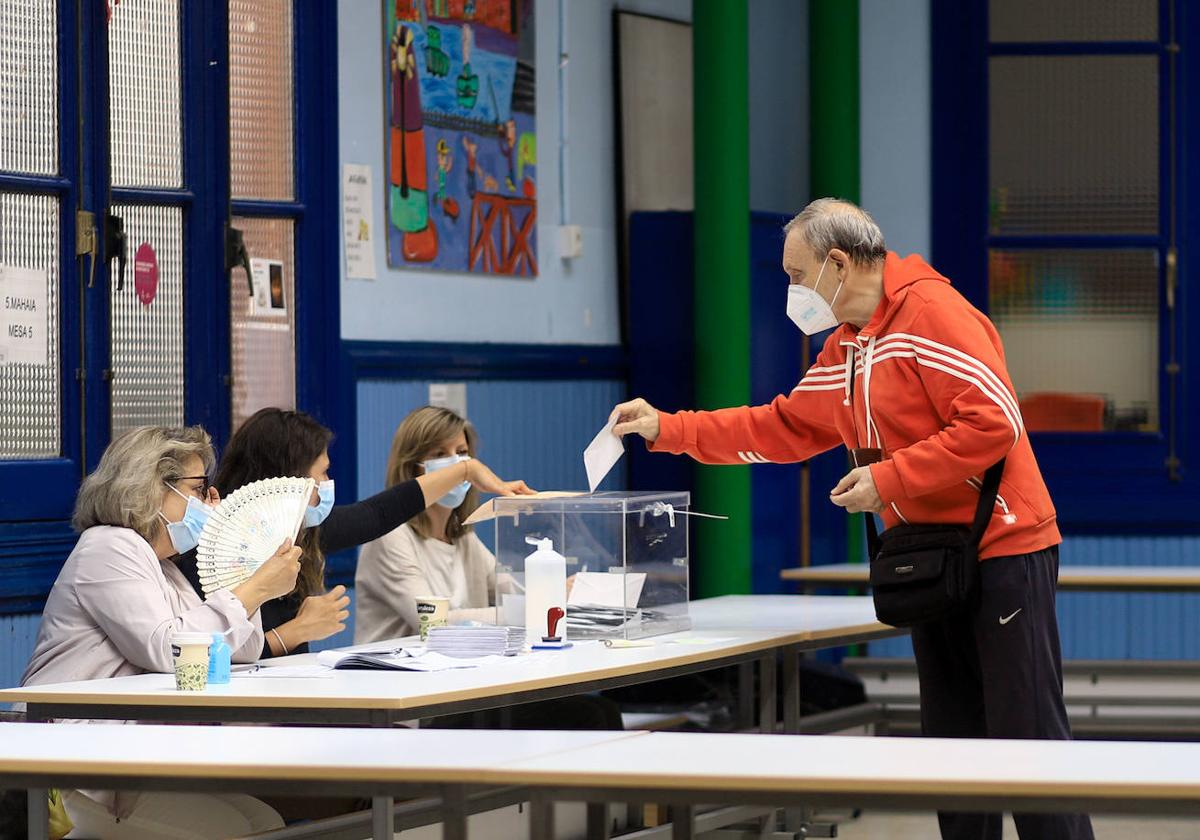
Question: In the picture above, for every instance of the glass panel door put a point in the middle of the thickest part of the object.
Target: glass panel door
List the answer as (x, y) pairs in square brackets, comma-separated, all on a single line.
[(263, 183), (146, 365)]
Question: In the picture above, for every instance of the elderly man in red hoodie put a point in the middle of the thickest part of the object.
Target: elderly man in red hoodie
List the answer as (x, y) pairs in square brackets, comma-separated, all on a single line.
[(917, 374)]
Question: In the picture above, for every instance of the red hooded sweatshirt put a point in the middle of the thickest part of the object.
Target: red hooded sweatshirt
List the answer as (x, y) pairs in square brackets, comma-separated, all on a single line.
[(931, 390)]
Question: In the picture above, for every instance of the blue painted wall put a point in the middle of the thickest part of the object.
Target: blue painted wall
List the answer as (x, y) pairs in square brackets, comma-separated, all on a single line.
[(17, 635)]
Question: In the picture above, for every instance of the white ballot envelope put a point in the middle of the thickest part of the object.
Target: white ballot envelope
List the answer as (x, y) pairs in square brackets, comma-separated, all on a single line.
[(604, 589), (602, 454)]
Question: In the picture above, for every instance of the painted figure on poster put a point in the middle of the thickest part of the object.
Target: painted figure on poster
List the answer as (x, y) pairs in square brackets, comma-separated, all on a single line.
[(436, 60), (508, 144), (467, 85), (526, 152), (472, 150), (445, 162), (408, 204)]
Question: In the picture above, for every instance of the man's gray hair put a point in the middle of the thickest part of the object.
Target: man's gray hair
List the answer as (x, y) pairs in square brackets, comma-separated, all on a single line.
[(126, 489), (829, 223)]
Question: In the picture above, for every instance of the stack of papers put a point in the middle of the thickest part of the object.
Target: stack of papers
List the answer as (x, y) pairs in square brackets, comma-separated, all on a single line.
[(599, 616), (604, 622), (471, 641)]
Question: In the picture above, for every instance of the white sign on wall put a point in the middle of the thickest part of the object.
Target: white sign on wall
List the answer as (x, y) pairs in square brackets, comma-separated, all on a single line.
[(451, 395), (357, 220), (24, 320)]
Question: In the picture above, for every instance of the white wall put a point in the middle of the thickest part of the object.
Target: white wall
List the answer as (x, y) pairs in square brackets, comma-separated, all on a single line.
[(894, 52), (574, 302)]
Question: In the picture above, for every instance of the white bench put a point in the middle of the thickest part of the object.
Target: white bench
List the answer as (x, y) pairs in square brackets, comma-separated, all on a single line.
[(1070, 578), (1105, 698)]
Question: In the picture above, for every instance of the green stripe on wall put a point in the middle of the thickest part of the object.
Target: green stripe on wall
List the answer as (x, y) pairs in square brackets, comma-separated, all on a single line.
[(834, 131)]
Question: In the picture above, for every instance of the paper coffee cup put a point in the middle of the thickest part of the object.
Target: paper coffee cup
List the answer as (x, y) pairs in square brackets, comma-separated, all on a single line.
[(191, 660), (432, 611)]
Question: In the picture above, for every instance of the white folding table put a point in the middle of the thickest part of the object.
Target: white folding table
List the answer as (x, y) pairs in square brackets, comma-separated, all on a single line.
[(602, 767), (730, 630), (736, 630)]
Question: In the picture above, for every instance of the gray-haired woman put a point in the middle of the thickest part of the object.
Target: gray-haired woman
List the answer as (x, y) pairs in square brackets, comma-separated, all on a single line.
[(120, 597)]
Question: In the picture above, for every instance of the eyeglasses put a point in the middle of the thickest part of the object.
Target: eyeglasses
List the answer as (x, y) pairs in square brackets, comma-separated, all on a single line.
[(203, 487)]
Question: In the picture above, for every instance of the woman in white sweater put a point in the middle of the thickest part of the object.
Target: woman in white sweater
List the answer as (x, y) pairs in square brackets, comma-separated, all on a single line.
[(120, 597), (436, 554), (433, 553)]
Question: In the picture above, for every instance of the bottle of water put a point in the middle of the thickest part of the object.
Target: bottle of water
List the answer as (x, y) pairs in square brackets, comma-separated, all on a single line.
[(545, 588)]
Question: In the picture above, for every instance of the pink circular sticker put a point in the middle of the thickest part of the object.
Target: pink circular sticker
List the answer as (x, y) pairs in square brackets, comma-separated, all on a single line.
[(145, 273)]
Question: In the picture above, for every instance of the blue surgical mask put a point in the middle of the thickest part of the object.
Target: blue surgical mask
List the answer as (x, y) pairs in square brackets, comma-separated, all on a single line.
[(314, 516), (456, 496), (185, 534)]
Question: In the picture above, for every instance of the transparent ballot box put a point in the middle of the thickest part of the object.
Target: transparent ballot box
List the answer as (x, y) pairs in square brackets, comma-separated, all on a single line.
[(626, 560)]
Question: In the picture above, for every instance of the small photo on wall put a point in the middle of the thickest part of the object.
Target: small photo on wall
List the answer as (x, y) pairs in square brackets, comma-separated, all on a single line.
[(270, 297), (277, 304)]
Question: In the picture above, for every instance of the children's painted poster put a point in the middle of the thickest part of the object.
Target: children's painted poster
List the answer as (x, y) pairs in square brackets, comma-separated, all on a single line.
[(460, 148)]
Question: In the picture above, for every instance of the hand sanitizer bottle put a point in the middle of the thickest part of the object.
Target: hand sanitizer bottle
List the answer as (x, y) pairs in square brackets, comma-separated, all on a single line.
[(545, 589), (219, 656)]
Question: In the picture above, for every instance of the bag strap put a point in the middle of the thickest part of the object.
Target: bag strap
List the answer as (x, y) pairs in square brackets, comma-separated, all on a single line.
[(983, 511), (872, 536), (987, 500)]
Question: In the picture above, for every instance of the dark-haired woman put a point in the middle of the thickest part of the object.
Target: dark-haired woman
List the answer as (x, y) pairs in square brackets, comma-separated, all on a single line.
[(276, 442)]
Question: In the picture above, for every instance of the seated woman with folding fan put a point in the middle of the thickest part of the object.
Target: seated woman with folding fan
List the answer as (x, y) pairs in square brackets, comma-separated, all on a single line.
[(120, 597), (276, 442)]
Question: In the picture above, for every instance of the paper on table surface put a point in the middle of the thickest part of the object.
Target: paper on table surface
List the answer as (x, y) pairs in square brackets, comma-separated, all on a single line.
[(487, 511), (604, 589), (602, 453), (406, 659)]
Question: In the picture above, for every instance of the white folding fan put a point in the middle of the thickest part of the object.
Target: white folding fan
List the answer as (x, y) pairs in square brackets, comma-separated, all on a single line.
[(247, 528)]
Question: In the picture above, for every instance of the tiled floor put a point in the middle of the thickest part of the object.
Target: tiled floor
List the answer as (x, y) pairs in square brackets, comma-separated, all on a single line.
[(881, 825)]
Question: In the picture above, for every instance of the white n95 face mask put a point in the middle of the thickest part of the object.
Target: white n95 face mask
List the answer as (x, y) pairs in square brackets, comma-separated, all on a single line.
[(808, 310)]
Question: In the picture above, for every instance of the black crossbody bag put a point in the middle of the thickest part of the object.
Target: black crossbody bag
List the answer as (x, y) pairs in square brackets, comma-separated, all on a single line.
[(921, 573)]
